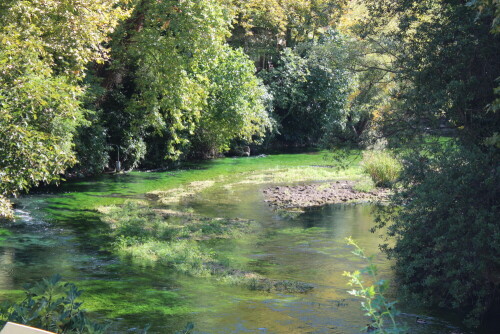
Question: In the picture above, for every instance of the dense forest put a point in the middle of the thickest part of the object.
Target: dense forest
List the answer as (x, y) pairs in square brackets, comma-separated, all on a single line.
[(150, 83)]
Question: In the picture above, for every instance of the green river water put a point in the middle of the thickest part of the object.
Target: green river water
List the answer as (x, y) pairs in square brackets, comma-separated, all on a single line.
[(58, 232)]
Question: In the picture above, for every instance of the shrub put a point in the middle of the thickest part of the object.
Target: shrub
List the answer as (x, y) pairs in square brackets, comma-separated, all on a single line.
[(91, 148), (310, 85), (382, 166), (51, 304), (444, 220)]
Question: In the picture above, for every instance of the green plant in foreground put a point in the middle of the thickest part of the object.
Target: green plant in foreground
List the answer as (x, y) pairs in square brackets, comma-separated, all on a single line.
[(381, 311), (383, 167), (51, 305)]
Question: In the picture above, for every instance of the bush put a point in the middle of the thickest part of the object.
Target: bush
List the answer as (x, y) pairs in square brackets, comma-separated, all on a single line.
[(444, 220), (236, 108), (310, 85), (382, 166), (51, 305)]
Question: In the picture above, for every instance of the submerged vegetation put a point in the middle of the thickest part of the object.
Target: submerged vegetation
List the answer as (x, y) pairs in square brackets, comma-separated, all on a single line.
[(154, 236)]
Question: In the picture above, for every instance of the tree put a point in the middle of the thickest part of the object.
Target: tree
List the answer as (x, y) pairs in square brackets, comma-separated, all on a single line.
[(154, 76), (444, 220), (235, 107), (46, 45), (445, 66), (166, 89), (492, 8), (264, 28), (444, 217), (371, 60), (310, 86)]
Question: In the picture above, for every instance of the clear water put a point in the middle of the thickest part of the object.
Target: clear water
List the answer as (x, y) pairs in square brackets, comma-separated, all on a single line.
[(58, 233)]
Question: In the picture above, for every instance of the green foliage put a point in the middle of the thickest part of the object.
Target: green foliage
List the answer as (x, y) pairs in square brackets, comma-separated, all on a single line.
[(38, 114), (235, 107), (45, 48), (444, 63), (370, 57), (493, 141), (6, 211), (382, 166), (310, 86), (491, 9), (170, 238), (157, 56), (287, 83), (134, 220), (175, 89), (185, 256), (382, 312), (330, 83), (92, 151), (445, 224), (445, 66), (52, 305), (263, 28), (132, 152)]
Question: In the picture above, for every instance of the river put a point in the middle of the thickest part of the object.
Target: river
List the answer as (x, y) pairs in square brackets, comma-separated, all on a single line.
[(55, 232)]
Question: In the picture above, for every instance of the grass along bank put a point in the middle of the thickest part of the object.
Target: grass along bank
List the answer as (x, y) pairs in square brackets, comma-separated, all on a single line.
[(281, 169)]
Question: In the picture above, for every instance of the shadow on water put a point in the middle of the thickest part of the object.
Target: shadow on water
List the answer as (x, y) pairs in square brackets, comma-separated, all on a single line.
[(119, 182)]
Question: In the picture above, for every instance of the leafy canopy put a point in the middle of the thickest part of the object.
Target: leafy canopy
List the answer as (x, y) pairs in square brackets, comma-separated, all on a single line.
[(46, 45)]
